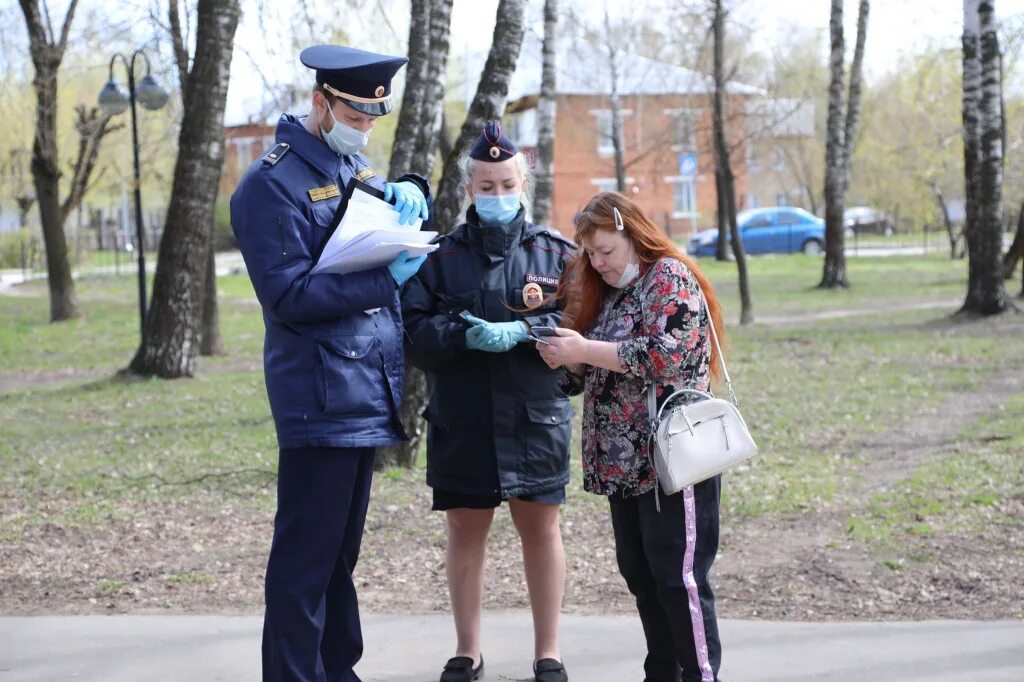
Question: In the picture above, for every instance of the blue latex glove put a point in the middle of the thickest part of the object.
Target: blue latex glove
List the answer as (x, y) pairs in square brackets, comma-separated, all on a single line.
[(494, 337), (408, 200), (404, 267)]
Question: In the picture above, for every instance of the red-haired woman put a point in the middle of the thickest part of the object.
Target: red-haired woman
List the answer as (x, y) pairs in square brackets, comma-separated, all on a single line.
[(635, 315)]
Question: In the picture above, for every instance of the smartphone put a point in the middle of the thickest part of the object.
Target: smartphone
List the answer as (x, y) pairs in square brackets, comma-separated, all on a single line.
[(541, 330)]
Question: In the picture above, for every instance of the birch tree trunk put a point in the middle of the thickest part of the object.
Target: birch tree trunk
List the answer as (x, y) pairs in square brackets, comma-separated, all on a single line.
[(853, 98), (210, 341), (1016, 250), (413, 151), (545, 170), (836, 149), (488, 103), (427, 143), (169, 347), (983, 132), (47, 52), (616, 107), (725, 182), (410, 118)]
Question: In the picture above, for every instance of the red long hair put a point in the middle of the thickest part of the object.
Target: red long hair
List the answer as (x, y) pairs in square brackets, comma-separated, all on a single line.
[(584, 290)]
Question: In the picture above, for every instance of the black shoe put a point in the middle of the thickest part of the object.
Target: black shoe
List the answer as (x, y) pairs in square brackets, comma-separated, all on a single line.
[(460, 669), (549, 670)]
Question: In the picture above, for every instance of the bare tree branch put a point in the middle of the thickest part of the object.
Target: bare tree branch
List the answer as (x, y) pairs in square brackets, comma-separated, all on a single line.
[(178, 44)]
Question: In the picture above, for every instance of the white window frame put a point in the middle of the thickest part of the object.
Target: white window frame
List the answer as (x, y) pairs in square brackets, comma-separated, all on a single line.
[(603, 118), (680, 182), (779, 158), (610, 184), (689, 145), (753, 165)]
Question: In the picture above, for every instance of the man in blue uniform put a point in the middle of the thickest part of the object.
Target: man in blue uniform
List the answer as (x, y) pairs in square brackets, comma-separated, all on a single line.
[(332, 358)]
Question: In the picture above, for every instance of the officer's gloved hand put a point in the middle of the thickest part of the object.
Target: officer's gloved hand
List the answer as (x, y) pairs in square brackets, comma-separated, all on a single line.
[(494, 337), (404, 267), (408, 199)]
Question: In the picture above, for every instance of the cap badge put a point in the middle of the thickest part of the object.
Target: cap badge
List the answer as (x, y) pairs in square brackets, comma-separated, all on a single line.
[(533, 295), (495, 152), (379, 92)]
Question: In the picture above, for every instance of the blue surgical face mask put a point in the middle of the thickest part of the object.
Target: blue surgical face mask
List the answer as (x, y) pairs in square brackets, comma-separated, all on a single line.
[(342, 139), (497, 210)]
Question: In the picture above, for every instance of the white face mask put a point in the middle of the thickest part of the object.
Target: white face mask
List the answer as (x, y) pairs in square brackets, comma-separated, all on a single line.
[(342, 139), (630, 272)]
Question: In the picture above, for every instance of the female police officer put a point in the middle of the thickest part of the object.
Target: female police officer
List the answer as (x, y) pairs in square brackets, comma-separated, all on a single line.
[(332, 359), (499, 425)]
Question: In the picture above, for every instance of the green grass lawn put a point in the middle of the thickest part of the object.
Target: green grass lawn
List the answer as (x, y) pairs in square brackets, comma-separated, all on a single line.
[(813, 392)]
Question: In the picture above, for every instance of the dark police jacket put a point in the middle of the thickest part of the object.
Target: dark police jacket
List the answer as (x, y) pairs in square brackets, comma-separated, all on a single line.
[(333, 370), (498, 422)]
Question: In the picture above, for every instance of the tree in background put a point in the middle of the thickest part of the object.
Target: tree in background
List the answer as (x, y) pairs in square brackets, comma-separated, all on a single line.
[(169, 342), (488, 103), (983, 160), (47, 51), (840, 141), (544, 175), (725, 182), (416, 138), (210, 341)]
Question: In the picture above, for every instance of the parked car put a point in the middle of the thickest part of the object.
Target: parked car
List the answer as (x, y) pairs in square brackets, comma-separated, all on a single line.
[(779, 229), (861, 219)]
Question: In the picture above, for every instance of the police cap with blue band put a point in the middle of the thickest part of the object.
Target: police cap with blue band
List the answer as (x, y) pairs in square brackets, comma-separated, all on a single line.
[(360, 79), (492, 145)]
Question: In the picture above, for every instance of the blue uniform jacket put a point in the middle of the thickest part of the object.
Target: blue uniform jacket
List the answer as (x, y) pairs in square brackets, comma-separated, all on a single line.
[(333, 370)]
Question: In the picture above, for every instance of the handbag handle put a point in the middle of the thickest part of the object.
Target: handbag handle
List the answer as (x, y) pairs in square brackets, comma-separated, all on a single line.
[(652, 402)]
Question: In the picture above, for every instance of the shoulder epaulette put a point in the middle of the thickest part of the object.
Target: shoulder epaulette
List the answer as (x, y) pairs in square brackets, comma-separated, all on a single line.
[(556, 235), (276, 154)]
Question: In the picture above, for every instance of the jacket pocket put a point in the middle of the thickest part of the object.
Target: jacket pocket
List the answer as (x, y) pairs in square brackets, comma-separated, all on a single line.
[(453, 304), (351, 375), (547, 437)]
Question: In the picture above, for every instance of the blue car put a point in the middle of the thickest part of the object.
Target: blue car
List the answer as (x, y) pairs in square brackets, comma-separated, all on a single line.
[(778, 229)]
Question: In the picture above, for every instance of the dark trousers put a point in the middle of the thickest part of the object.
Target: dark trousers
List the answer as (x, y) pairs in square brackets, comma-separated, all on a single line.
[(311, 627), (665, 558)]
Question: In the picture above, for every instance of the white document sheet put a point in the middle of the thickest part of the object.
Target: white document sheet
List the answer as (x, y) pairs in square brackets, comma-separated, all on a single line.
[(370, 236)]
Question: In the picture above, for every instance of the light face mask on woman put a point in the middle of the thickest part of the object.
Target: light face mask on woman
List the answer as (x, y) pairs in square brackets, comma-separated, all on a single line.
[(494, 209), (342, 139), (606, 248), (629, 273), (497, 210)]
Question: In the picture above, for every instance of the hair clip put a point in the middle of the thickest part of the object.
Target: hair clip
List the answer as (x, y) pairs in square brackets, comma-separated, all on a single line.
[(619, 226)]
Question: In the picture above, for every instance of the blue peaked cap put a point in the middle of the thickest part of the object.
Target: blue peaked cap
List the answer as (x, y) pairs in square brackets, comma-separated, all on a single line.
[(492, 145), (359, 78)]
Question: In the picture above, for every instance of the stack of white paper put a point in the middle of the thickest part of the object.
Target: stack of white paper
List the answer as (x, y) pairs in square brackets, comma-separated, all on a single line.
[(370, 236)]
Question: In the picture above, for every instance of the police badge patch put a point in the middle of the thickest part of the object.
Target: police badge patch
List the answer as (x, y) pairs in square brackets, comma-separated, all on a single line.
[(533, 295)]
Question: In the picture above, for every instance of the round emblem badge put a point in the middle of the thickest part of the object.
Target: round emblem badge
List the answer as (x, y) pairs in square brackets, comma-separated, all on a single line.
[(495, 152), (533, 295), (379, 92)]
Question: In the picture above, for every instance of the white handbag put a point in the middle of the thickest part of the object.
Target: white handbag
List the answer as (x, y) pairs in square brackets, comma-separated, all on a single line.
[(694, 442)]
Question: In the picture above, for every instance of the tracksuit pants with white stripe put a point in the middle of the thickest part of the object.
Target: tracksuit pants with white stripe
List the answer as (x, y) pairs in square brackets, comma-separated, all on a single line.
[(665, 558)]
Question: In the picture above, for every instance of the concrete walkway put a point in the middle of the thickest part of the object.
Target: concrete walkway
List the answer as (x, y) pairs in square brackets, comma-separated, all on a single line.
[(409, 648)]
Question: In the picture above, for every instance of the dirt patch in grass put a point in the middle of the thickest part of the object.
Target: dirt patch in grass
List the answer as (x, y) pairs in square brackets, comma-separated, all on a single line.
[(206, 552)]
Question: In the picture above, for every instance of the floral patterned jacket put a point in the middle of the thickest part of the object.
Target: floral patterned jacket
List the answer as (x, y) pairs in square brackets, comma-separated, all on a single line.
[(661, 326)]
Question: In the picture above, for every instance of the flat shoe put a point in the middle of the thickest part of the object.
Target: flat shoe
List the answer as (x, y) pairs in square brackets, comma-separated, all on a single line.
[(549, 670), (460, 669)]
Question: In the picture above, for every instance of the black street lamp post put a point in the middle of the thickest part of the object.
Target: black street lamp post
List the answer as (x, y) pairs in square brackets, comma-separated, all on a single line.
[(113, 100)]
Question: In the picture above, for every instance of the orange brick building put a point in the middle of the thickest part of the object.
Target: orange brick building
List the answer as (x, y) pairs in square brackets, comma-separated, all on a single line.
[(666, 125), (244, 143)]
